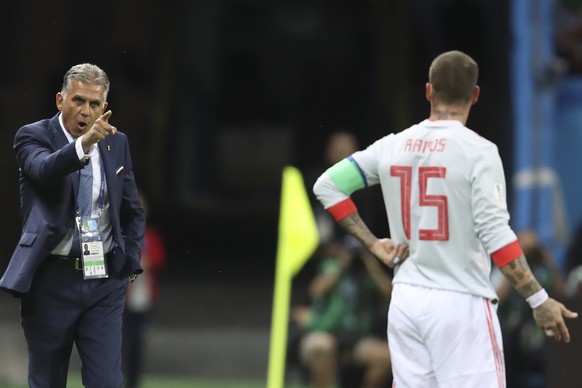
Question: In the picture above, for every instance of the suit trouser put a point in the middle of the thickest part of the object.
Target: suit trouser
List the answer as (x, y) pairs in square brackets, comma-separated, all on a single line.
[(63, 309)]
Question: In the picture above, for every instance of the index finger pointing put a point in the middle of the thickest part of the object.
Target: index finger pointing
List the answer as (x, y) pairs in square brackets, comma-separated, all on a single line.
[(105, 116)]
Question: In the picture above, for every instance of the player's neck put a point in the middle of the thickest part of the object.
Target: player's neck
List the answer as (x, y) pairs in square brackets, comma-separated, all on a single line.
[(449, 112)]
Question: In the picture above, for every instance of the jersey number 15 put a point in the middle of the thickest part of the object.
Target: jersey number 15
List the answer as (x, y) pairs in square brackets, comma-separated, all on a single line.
[(441, 233)]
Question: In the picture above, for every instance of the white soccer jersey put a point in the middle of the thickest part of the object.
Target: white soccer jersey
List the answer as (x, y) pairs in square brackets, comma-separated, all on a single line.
[(445, 195)]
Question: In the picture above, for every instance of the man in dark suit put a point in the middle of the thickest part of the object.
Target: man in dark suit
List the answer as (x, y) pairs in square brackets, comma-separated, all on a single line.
[(65, 299)]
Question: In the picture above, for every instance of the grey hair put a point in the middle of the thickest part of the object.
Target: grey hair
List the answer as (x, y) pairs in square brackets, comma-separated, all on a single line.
[(88, 73)]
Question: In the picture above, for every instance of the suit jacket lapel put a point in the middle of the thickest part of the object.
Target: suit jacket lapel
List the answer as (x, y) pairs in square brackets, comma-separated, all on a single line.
[(108, 166), (60, 140)]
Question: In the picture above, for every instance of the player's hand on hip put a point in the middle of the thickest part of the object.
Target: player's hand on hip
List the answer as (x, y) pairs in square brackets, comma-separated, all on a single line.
[(388, 252), (550, 318)]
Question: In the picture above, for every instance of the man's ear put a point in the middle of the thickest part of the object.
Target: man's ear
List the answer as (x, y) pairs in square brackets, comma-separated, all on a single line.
[(428, 91), (59, 101), (476, 93)]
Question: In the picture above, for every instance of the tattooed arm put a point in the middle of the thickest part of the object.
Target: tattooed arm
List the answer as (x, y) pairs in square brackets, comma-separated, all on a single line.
[(384, 249), (521, 278), (549, 316)]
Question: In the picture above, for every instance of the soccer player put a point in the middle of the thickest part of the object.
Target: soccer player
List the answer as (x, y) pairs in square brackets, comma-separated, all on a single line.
[(444, 191)]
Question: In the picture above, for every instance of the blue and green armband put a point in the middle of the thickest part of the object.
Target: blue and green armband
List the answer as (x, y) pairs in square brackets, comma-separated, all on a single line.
[(347, 176)]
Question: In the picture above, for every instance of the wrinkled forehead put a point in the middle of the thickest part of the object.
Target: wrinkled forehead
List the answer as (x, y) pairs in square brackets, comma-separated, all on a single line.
[(85, 90)]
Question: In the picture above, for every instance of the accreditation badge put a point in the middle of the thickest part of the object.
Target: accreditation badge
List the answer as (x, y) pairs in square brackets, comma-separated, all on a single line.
[(93, 257)]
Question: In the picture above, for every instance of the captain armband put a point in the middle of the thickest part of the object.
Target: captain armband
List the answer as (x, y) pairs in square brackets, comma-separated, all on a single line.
[(347, 176)]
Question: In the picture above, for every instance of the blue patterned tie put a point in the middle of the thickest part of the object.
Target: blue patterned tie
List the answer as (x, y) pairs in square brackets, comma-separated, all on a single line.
[(84, 201)]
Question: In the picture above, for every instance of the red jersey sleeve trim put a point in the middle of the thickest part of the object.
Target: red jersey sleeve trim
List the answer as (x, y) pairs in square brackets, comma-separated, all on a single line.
[(507, 254), (341, 210)]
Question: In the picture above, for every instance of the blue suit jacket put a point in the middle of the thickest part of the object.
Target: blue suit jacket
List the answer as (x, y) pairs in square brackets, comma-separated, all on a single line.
[(48, 190)]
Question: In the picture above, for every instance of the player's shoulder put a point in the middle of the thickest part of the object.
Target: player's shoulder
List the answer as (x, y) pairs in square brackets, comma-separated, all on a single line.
[(476, 148), (379, 143), (478, 139), (398, 135)]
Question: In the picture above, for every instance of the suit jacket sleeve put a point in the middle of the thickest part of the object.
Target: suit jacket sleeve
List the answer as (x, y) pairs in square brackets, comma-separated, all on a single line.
[(132, 218)]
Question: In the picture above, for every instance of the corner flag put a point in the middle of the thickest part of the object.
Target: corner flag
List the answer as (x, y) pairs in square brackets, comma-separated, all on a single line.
[(298, 239), (298, 235)]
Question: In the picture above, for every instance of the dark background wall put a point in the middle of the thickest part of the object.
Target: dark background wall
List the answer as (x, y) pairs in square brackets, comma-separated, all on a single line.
[(217, 96)]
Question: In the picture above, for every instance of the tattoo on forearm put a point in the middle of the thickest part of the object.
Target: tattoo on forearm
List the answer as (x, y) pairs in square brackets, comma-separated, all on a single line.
[(529, 288), (355, 226), (511, 279), (520, 276)]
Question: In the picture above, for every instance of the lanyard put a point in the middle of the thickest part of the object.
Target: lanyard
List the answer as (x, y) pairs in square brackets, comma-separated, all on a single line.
[(101, 199)]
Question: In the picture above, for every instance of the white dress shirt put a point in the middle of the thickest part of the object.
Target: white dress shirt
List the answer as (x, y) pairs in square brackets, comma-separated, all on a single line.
[(105, 226)]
